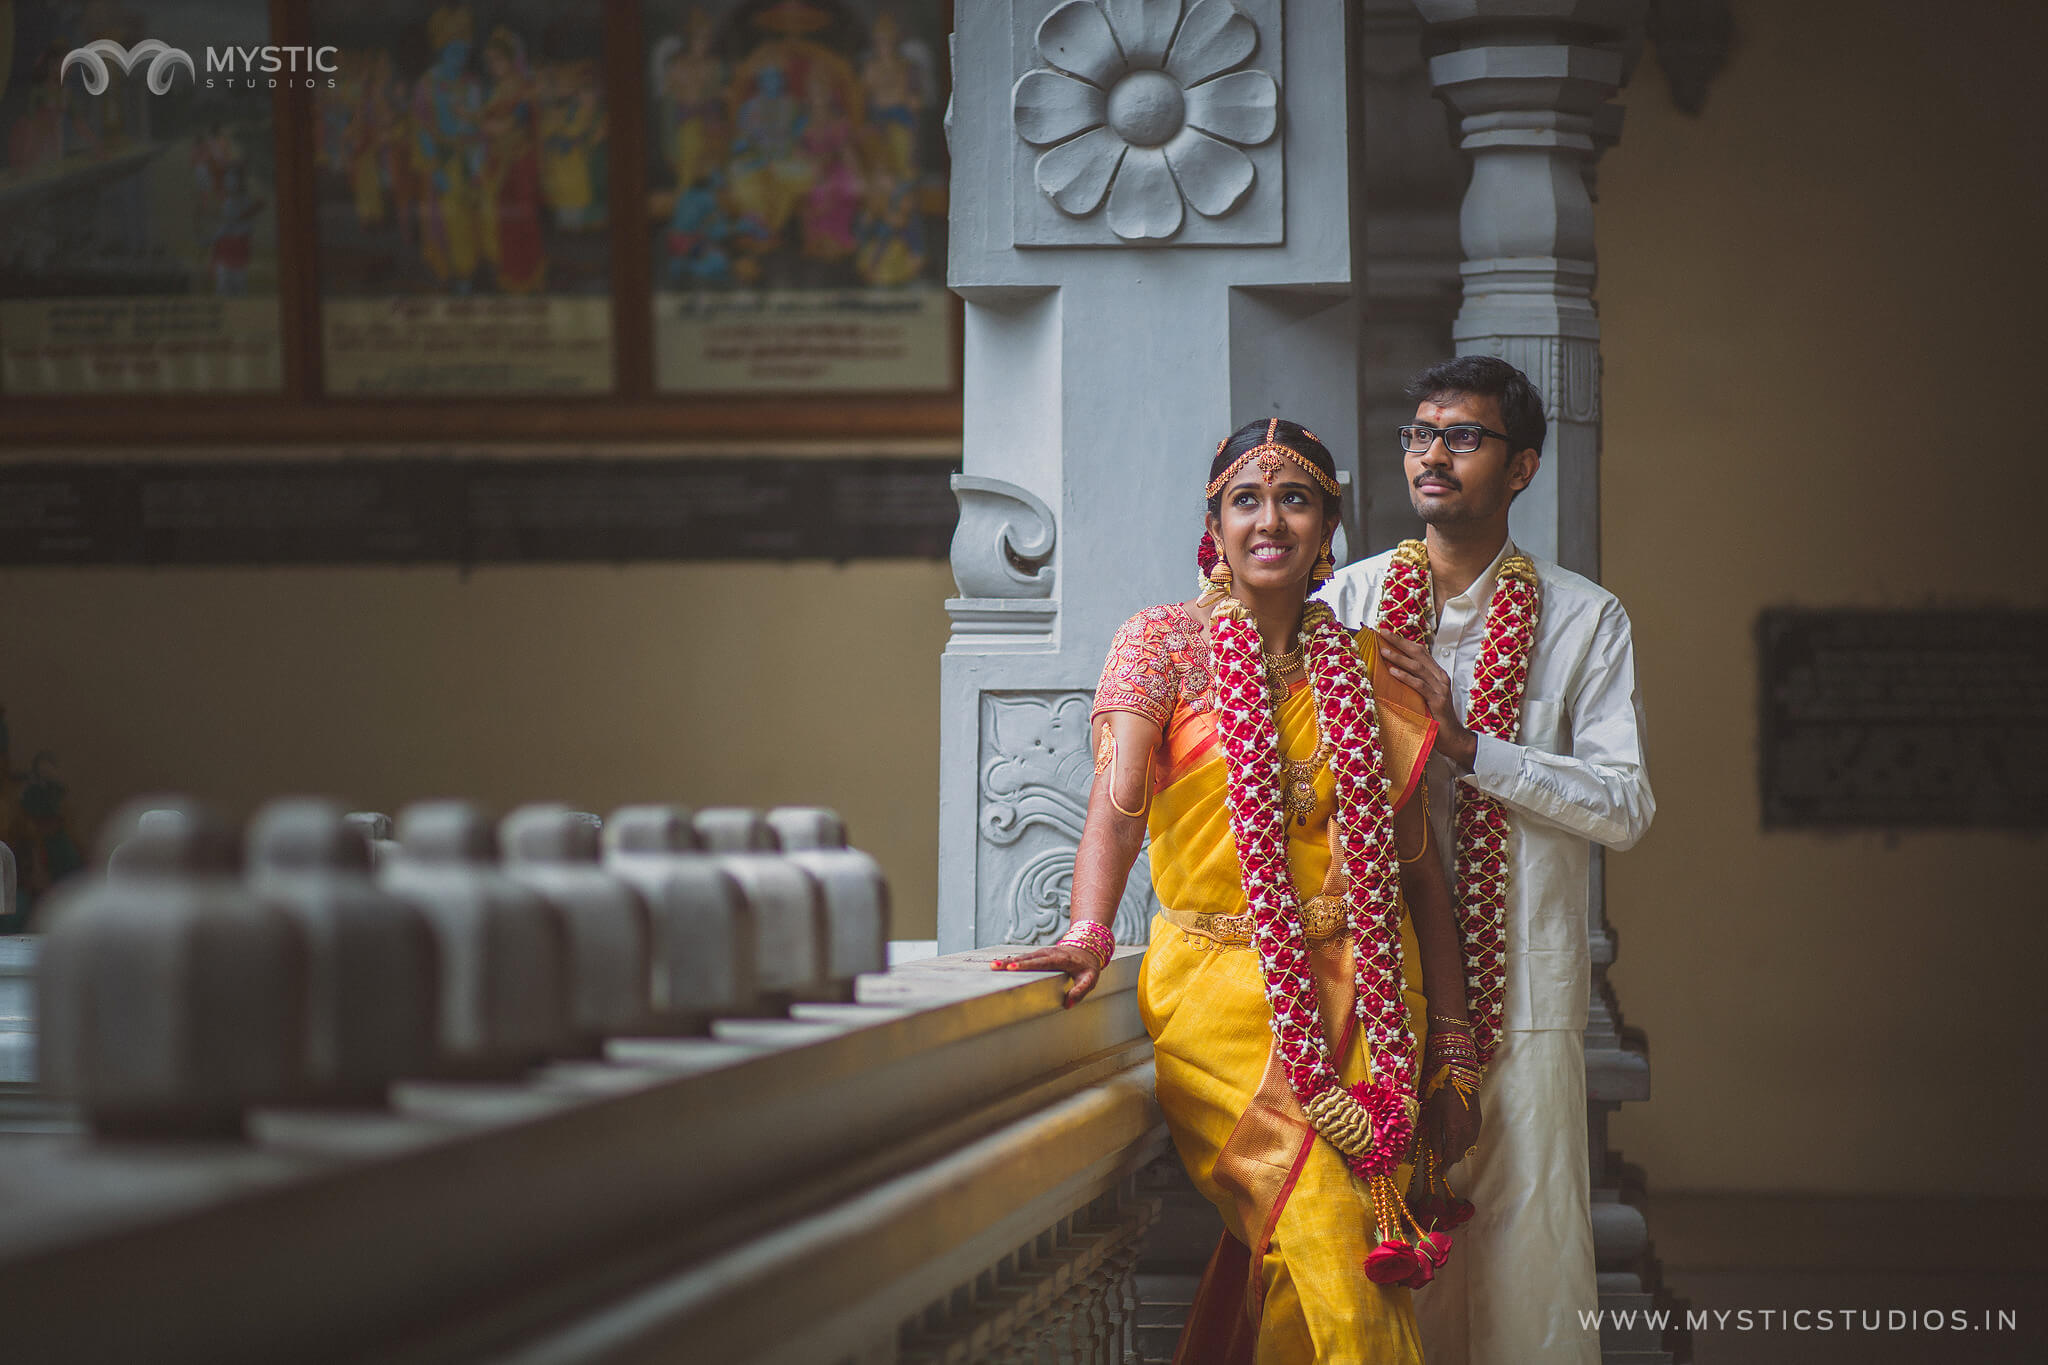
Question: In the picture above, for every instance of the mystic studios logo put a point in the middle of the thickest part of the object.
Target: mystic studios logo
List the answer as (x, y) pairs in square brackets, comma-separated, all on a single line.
[(227, 68)]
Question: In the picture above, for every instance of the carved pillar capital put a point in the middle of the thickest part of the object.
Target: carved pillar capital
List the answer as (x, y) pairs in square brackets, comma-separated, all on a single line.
[(1529, 82)]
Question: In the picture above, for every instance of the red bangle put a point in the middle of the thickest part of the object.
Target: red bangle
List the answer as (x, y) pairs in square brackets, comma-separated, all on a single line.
[(1093, 939)]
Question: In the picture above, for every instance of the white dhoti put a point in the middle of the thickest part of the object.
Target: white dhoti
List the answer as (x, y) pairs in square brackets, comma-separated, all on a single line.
[(1521, 1272)]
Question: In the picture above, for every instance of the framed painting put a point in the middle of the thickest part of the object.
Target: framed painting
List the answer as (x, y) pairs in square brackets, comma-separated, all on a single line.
[(138, 201), (797, 192), (462, 202), (473, 220)]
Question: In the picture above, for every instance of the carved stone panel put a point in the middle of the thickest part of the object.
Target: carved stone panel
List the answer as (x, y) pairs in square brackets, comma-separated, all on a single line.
[(1147, 122), (1035, 772)]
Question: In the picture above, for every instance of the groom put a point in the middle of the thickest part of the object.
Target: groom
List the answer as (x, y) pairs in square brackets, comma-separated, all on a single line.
[(1544, 753)]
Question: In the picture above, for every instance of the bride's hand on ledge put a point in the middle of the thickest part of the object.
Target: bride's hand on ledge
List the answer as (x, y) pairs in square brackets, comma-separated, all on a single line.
[(1079, 965)]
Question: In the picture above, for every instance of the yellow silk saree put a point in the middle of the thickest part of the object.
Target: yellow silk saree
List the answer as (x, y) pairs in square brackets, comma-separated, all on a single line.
[(1292, 1288)]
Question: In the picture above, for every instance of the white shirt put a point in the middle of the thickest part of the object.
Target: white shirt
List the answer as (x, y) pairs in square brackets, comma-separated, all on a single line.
[(1575, 773)]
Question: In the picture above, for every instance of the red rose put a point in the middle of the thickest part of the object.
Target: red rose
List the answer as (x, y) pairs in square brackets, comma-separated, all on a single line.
[(1424, 1273), (1435, 1247), (1391, 1262)]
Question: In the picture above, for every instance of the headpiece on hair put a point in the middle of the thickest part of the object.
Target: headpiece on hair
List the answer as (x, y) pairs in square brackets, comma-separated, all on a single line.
[(1269, 454)]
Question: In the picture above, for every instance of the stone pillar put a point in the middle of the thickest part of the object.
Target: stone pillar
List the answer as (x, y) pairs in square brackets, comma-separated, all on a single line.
[(1152, 231), (1529, 82)]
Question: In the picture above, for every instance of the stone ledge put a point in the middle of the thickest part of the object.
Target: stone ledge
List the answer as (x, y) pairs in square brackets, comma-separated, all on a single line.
[(866, 1265), (354, 1230)]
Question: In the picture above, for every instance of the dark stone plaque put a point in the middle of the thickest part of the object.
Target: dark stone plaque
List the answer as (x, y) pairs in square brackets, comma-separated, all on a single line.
[(1904, 719), (501, 509)]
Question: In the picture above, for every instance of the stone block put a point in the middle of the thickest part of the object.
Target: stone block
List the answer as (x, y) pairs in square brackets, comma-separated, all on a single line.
[(651, 829), (373, 975), (792, 927), (855, 890), (172, 999), (856, 909), (800, 827), (375, 827), (126, 827), (734, 829), (604, 921), (1621, 1235), (701, 929), (504, 979), (793, 938)]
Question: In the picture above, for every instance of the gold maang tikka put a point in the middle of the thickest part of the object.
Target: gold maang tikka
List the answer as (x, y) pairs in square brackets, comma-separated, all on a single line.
[(1270, 455)]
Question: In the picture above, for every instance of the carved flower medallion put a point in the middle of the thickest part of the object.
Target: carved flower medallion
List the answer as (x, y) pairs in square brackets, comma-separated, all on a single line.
[(1144, 106)]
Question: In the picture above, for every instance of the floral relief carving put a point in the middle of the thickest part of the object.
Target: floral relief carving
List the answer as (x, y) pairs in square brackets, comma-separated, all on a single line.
[(1142, 111), (1035, 775)]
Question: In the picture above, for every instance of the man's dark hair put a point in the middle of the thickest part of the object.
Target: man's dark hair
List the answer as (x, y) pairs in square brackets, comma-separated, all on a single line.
[(1485, 376)]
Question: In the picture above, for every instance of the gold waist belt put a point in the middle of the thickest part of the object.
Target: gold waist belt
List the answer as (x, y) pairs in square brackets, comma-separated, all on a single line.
[(1321, 917)]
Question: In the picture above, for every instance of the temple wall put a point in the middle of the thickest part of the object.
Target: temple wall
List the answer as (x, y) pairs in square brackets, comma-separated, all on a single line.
[(706, 684), (1798, 290)]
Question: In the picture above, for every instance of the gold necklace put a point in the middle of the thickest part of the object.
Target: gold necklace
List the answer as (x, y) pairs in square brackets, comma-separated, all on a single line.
[(1278, 666), (1298, 779), (1298, 775)]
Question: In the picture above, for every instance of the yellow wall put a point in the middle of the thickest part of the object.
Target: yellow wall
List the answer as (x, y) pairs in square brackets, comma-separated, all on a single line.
[(707, 684), (1800, 291)]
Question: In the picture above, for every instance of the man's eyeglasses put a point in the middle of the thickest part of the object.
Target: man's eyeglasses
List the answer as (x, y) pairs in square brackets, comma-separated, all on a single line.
[(1462, 439)]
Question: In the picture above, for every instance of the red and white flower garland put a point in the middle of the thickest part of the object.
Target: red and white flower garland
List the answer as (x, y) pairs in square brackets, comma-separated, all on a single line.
[(1494, 708), (1372, 1123)]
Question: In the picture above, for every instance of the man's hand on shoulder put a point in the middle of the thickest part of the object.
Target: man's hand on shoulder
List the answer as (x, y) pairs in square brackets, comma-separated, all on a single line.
[(1413, 664)]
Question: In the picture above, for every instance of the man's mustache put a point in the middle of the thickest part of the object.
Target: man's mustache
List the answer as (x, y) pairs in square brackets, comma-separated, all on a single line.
[(1447, 480)]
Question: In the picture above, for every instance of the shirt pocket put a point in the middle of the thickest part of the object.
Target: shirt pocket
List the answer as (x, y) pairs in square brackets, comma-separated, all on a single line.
[(1541, 723)]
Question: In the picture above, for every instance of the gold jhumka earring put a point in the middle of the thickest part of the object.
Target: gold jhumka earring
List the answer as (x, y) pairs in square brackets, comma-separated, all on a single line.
[(1325, 566), (1215, 585)]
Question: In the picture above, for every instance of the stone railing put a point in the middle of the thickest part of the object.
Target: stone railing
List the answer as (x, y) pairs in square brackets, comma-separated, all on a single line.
[(308, 1118)]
